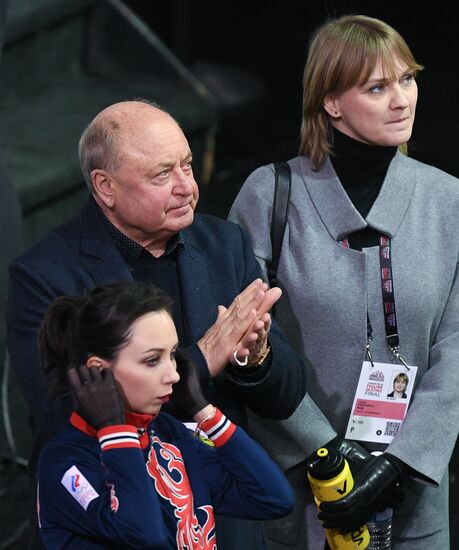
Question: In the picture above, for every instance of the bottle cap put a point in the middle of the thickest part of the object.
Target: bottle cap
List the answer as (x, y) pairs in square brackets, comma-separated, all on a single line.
[(325, 463)]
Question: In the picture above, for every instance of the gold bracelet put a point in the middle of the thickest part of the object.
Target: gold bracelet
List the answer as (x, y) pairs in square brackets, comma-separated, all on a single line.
[(262, 358)]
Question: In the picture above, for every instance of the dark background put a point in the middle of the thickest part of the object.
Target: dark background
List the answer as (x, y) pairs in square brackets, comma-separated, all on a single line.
[(251, 56), (267, 41)]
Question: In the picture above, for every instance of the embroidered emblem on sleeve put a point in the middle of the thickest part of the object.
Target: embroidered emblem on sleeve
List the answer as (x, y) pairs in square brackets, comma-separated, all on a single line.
[(79, 487)]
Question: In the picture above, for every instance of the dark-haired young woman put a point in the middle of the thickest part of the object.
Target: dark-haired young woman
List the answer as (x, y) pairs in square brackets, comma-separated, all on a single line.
[(120, 474)]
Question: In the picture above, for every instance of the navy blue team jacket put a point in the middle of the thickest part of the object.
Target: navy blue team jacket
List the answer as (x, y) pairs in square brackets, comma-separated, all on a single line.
[(150, 484)]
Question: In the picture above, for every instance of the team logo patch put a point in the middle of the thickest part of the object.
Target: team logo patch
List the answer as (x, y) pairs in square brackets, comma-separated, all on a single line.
[(79, 487)]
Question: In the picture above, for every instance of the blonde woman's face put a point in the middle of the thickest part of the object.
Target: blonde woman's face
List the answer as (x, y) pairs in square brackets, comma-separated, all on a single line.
[(399, 385), (381, 112)]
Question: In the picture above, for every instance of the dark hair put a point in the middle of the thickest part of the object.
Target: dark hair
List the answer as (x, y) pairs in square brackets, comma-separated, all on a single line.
[(75, 327)]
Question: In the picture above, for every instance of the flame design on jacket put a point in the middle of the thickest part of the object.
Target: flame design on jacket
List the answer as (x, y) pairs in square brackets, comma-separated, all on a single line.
[(172, 484)]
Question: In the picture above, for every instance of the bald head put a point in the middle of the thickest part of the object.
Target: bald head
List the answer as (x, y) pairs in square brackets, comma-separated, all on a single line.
[(116, 127)]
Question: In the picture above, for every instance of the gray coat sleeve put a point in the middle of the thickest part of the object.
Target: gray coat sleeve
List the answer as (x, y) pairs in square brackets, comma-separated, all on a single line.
[(307, 428), (435, 406)]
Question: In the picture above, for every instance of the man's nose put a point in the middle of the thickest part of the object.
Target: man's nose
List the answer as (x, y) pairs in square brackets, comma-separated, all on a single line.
[(183, 183)]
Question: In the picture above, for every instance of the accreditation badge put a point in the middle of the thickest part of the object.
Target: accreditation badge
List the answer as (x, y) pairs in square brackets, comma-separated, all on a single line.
[(381, 401)]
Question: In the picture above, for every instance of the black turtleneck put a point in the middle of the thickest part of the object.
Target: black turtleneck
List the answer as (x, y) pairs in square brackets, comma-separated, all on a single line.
[(361, 169)]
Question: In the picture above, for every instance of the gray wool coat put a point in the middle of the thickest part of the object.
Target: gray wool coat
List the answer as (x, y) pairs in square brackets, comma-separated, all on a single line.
[(327, 290)]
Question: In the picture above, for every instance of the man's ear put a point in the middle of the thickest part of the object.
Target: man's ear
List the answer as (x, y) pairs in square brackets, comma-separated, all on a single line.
[(331, 105), (102, 185), (97, 362)]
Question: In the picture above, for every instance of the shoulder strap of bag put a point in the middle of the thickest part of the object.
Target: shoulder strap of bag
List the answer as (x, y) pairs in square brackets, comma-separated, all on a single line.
[(282, 188)]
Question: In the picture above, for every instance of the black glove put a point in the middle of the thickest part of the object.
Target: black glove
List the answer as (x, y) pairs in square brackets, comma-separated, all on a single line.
[(353, 452), (187, 394), (376, 487), (96, 395)]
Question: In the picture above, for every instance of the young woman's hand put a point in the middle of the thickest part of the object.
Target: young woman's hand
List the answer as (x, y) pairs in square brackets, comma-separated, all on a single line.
[(187, 394), (96, 395)]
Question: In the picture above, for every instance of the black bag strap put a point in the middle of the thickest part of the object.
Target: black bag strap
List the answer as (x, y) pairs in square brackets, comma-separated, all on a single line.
[(282, 188)]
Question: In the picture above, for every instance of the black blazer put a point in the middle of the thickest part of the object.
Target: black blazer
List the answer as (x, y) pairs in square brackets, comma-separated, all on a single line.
[(217, 263)]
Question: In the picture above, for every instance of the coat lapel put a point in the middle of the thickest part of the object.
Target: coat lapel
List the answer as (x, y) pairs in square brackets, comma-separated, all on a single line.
[(336, 210), (105, 264), (195, 288), (331, 200), (395, 196), (100, 258)]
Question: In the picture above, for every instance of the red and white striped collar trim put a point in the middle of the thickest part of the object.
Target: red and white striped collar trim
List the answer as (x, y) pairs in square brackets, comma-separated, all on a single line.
[(133, 419)]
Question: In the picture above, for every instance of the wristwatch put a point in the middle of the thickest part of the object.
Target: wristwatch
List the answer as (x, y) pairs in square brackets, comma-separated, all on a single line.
[(262, 358)]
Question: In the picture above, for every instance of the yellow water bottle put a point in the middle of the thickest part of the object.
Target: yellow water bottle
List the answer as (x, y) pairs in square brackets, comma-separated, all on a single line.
[(330, 478)]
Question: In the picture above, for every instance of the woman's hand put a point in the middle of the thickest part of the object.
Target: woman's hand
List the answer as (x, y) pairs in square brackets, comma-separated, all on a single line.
[(377, 486), (187, 394), (96, 395)]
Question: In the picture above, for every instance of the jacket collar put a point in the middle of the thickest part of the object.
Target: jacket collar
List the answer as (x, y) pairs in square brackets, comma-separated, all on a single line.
[(140, 421), (103, 260), (99, 256), (336, 210), (94, 236)]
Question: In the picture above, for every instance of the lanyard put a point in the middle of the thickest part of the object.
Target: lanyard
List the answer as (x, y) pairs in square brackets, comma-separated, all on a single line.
[(387, 288)]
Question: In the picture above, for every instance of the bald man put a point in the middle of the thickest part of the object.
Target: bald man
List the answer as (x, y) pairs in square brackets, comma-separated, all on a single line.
[(139, 223)]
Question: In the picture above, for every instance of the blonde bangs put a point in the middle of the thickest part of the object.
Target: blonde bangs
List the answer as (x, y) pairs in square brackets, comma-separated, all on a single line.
[(343, 53), (391, 56)]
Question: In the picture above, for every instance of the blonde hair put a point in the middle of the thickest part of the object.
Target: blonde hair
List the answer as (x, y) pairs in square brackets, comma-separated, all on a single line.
[(401, 377), (343, 53)]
